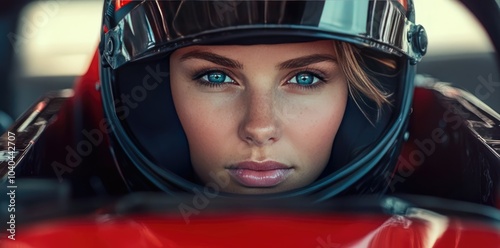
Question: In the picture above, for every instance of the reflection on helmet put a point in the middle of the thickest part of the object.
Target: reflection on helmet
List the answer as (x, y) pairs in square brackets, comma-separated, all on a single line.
[(150, 146)]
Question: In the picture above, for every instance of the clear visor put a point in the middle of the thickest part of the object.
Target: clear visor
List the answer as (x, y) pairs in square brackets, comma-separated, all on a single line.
[(156, 27)]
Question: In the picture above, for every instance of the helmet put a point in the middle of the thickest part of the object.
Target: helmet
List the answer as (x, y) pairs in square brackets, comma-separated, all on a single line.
[(150, 147)]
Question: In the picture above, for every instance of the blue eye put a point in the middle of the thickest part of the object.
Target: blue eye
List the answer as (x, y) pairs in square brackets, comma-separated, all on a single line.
[(304, 78), (216, 77)]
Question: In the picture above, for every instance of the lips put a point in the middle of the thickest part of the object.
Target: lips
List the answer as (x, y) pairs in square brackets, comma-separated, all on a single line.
[(260, 174)]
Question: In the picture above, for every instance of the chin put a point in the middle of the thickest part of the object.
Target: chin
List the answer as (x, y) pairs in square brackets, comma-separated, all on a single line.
[(244, 190)]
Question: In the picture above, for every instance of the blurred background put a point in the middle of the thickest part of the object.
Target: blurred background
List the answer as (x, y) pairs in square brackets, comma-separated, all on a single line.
[(46, 44)]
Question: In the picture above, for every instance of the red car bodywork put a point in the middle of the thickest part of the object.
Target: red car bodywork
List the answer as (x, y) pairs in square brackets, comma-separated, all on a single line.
[(256, 230)]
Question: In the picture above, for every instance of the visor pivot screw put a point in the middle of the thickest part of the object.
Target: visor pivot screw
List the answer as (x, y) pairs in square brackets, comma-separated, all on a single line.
[(109, 47), (420, 40)]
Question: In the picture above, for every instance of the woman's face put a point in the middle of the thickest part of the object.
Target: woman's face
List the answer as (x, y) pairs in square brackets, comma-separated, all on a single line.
[(261, 117)]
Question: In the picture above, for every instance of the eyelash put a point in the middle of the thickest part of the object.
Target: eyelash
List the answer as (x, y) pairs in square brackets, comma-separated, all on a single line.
[(315, 73), (198, 77)]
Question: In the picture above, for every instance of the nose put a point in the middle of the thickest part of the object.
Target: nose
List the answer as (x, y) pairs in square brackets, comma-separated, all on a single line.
[(260, 125)]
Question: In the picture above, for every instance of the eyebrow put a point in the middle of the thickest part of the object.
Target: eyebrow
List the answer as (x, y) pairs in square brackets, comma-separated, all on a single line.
[(230, 63), (212, 57), (306, 60)]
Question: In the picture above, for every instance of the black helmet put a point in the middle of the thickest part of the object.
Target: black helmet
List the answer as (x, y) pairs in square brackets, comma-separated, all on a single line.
[(149, 144)]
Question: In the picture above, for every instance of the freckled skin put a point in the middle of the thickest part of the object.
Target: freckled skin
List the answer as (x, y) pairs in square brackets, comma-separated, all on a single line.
[(262, 115)]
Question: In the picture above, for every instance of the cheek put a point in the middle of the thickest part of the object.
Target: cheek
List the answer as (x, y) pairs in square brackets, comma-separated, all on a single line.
[(202, 121), (316, 130), (313, 129)]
